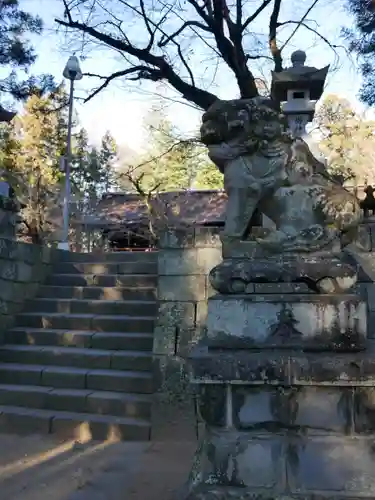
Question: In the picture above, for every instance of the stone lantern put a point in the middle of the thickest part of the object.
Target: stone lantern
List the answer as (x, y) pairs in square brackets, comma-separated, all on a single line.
[(298, 89)]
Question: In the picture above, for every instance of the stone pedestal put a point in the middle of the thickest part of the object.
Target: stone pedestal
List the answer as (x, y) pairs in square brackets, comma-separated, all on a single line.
[(306, 321), (287, 391)]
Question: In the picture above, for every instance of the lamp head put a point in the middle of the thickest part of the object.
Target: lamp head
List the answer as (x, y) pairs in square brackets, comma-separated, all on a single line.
[(72, 70)]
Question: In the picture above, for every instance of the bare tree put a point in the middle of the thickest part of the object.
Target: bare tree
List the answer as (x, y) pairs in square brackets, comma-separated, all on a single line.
[(155, 39)]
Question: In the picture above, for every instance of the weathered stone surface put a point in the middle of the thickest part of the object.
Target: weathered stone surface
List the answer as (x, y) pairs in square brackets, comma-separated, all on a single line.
[(177, 262), (323, 274), (364, 239), (371, 324), (307, 321), (240, 466), (165, 338), (331, 465), (371, 296), (227, 458), (284, 367), (187, 338), (226, 366), (8, 270), (8, 248), (212, 404), (190, 261), (21, 271), (201, 313), (307, 409), (207, 237), (170, 378), (24, 272), (227, 493), (266, 169), (365, 263), (174, 313), (182, 288), (209, 290), (207, 258), (364, 410), (274, 288), (361, 289), (175, 238)]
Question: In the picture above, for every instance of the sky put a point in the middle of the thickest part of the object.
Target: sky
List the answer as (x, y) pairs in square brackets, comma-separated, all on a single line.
[(122, 111)]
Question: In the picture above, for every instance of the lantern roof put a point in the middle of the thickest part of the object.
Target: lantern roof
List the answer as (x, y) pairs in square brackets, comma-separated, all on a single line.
[(298, 77)]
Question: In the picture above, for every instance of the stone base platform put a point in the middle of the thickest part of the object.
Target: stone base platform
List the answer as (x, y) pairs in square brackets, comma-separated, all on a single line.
[(322, 273), (284, 425), (280, 467), (306, 321)]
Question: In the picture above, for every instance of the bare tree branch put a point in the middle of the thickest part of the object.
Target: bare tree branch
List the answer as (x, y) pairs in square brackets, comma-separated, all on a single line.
[(197, 24), (151, 32), (300, 23), (200, 97), (222, 25), (316, 32), (239, 13), (275, 51), (258, 11), (142, 70)]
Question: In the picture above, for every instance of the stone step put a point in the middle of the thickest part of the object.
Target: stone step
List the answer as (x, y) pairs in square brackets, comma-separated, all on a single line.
[(76, 400), (135, 267), (108, 257), (98, 293), (139, 341), (101, 323), (76, 357), (105, 280), (71, 425), (64, 377), (101, 307)]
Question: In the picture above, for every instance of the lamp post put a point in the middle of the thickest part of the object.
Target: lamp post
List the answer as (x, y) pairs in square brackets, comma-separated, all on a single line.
[(72, 72)]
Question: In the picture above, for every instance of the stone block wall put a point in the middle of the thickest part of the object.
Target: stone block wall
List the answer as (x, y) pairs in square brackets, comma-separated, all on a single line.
[(8, 217), (363, 253), (185, 258), (23, 267)]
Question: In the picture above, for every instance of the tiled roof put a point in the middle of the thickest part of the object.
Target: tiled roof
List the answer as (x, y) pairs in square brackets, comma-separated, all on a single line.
[(178, 207)]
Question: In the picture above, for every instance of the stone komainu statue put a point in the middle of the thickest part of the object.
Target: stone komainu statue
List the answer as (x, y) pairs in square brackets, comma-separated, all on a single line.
[(265, 168)]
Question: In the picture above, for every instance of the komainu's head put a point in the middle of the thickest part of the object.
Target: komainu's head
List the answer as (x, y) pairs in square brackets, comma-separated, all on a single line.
[(241, 120)]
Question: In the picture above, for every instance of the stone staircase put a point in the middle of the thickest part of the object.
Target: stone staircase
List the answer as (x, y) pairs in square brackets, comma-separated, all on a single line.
[(78, 362)]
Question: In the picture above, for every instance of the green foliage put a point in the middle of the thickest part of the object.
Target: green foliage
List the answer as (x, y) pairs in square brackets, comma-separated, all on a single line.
[(93, 170), (32, 145), (171, 162), (14, 24), (16, 51), (209, 177), (106, 160), (348, 140), (362, 42)]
